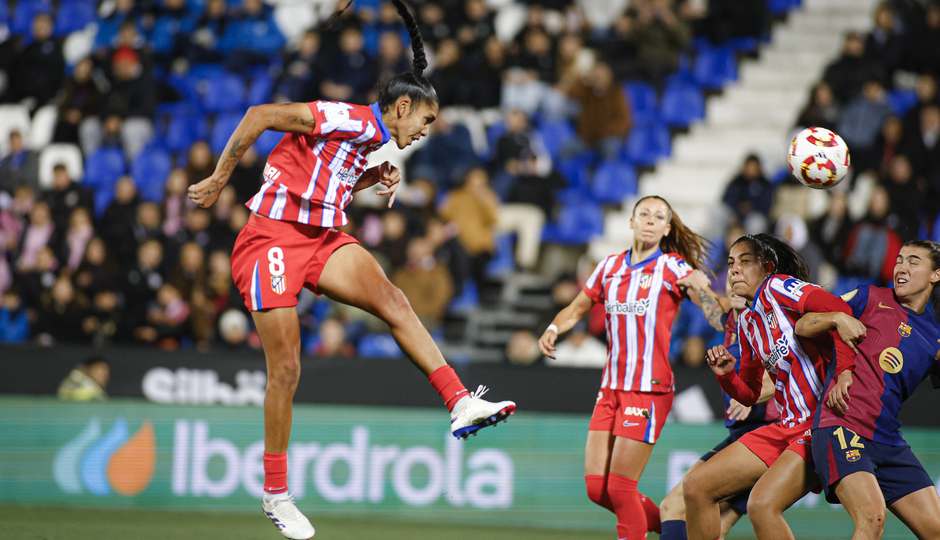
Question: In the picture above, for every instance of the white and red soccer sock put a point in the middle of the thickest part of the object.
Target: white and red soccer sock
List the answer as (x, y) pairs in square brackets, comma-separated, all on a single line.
[(275, 474)]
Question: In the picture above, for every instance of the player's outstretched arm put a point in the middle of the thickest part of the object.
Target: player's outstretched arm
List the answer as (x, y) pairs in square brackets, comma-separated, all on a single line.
[(698, 287), (564, 321), (289, 117)]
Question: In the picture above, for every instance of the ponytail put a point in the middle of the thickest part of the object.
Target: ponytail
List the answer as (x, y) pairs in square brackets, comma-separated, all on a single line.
[(420, 61), (412, 84), (770, 249), (692, 247)]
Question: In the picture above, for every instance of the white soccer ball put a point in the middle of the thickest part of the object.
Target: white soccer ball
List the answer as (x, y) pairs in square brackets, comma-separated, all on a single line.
[(819, 158)]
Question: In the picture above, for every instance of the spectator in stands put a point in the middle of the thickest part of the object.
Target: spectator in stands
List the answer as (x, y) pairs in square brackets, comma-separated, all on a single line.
[(529, 73), (10, 231), (252, 37), (87, 382), (173, 23), (78, 121), (220, 291), (332, 341), (202, 45), (750, 195), (21, 166), (514, 148), (605, 118), (246, 177), (573, 60), (486, 79), (884, 46), (233, 328), (474, 25), (106, 322), (109, 26), (794, 231), (831, 230), (390, 59), (448, 76), (728, 19), (38, 236), (426, 283), (822, 109), (579, 349), (887, 145), (923, 143), (14, 317), (661, 36), (197, 229), (474, 209), (97, 271), (301, 71), (861, 121), (176, 204), (34, 280), (37, 70), (118, 222), (199, 162), (189, 276), (617, 46), (448, 251), (848, 73), (448, 154), (922, 44), (346, 77), (873, 244), (432, 24), (65, 196), (130, 104), (926, 90), (76, 238), (908, 195), (167, 321), (61, 312), (523, 348), (130, 38), (391, 251), (142, 280)]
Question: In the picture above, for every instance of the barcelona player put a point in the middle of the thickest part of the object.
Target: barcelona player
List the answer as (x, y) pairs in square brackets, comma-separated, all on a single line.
[(774, 459), (862, 459), (291, 241), (739, 419), (641, 292)]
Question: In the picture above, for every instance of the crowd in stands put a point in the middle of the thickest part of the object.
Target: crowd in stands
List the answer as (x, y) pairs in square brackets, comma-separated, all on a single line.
[(115, 252)]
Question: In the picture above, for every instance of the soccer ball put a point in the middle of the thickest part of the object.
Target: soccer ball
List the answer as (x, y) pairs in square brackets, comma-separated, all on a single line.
[(819, 158)]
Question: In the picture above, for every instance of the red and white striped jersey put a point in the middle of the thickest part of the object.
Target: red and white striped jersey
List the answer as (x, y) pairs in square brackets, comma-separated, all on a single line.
[(309, 177), (641, 302), (767, 331)]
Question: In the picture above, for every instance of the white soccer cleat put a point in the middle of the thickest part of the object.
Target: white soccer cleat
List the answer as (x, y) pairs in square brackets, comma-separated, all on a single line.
[(477, 414), (289, 521)]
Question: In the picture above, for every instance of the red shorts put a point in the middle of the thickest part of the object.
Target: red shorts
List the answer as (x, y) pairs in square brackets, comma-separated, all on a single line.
[(633, 415), (272, 260), (769, 441)]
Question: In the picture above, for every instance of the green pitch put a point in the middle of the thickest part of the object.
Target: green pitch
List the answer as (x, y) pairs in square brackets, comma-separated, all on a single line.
[(55, 523)]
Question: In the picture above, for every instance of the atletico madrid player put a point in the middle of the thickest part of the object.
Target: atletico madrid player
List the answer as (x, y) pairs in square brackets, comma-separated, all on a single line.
[(291, 242), (862, 459), (641, 292)]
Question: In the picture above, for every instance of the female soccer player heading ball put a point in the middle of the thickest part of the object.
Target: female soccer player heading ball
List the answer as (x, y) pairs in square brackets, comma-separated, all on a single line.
[(291, 242)]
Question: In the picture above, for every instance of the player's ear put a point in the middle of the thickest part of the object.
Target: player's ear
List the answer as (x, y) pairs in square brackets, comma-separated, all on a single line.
[(403, 106)]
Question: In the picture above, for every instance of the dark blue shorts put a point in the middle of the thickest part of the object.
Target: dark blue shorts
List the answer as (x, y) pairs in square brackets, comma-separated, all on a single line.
[(837, 454), (738, 500)]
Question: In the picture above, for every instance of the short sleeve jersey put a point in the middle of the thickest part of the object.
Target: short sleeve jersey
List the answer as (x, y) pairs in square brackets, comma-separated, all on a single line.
[(309, 177), (767, 332), (640, 302), (896, 355), (760, 412)]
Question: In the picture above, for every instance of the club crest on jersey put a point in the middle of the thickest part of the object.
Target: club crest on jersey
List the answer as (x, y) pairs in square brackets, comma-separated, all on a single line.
[(277, 284), (891, 360), (771, 319), (904, 330), (853, 455), (646, 280)]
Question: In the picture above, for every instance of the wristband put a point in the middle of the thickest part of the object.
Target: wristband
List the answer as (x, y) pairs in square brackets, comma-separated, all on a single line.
[(553, 328)]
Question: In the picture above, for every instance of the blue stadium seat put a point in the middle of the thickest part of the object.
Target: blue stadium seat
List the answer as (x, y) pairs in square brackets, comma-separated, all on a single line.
[(714, 67), (267, 141), (73, 15), (150, 170), (4, 13), (642, 98), (576, 224), (647, 143), (224, 93), (222, 129), (379, 346), (183, 129), (22, 21), (468, 299), (259, 91), (555, 133), (102, 170), (681, 105), (576, 170), (504, 261), (902, 100), (493, 133), (613, 181), (746, 44)]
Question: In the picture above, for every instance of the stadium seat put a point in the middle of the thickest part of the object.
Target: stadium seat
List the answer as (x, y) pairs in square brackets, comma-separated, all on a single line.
[(22, 21), (102, 170), (714, 67), (747, 44), (73, 15), (647, 143), (642, 98), (576, 170), (379, 346), (468, 299), (267, 141), (681, 105), (67, 154), (224, 93), (259, 91), (150, 170), (504, 261), (13, 117), (183, 129), (43, 126), (613, 182), (222, 129), (555, 133), (576, 224), (902, 100)]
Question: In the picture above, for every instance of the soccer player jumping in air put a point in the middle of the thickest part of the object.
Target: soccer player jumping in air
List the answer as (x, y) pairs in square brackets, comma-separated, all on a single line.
[(291, 242)]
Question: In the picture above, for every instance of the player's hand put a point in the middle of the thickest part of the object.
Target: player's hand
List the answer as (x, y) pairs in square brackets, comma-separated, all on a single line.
[(850, 329), (695, 280), (838, 398), (736, 411), (720, 360), (206, 192), (390, 177), (547, 343)]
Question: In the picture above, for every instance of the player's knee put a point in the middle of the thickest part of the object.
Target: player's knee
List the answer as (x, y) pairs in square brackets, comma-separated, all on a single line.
[(673, 505), (393, 305), (595, 492), (873, 520), (284, 372), (694, 489), (760, 506)]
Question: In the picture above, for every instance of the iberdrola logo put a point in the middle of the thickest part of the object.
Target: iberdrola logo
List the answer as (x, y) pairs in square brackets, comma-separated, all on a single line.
[(115, 462)]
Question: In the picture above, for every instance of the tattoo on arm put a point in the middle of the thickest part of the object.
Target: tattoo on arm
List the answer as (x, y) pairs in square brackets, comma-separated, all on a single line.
[(711, 309)]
